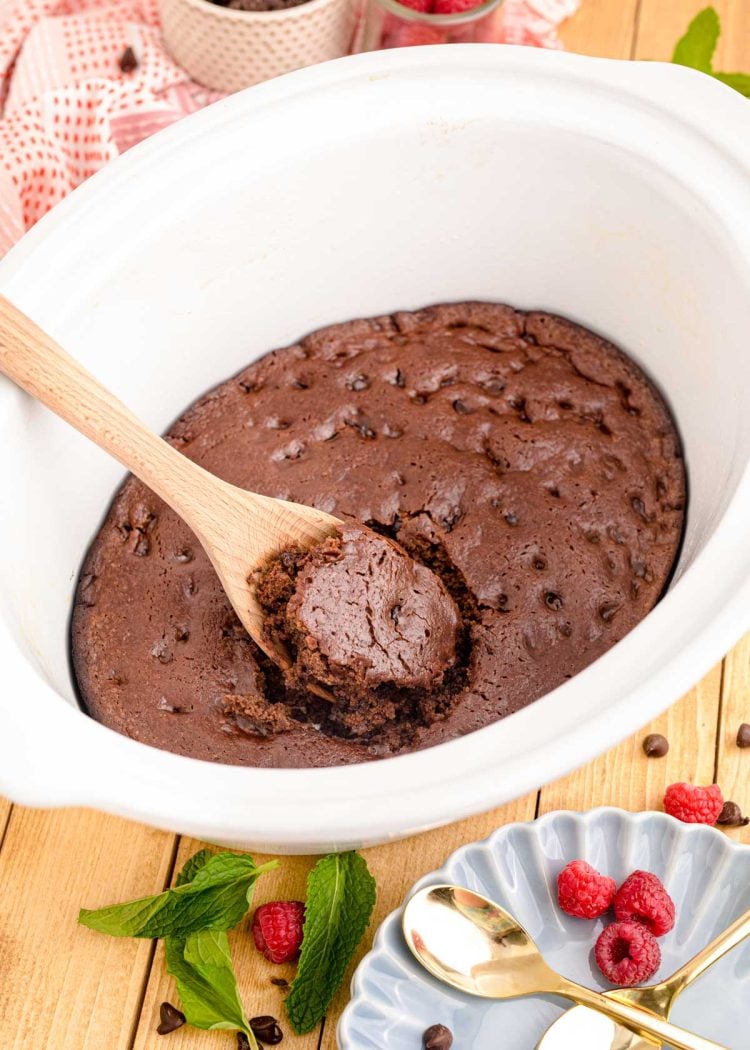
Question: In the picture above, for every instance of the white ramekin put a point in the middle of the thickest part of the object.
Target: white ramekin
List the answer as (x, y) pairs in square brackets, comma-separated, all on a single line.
[(618, 194), (228, 50)]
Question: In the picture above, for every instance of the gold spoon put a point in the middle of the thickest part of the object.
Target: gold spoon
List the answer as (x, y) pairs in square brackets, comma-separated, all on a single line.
[(578, 1027), (239, 530), (476, 946)]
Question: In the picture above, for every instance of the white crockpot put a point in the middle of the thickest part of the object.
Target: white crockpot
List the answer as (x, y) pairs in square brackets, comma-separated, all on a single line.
[(616, 194)]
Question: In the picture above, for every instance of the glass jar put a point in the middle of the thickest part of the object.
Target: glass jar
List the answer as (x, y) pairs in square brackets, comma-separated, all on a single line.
[(387, 23)]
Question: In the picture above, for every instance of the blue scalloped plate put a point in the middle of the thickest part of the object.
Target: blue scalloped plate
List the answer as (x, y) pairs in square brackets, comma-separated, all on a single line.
[(707, 875)]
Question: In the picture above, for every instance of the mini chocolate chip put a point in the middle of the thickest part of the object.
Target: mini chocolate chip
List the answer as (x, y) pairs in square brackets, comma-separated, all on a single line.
[(419, 399), (243, 1043), (539, 564), (266, 1028), (142, 547), (511, 518), (743, 735), (390, 431), (277, 423), (358, 382), (299, 384), (170, 1019), (172, 709), (638, 506), (731, 816), (462, 408), (494, 386), (655, 745), (437, 1037), (553, 601), (250, 386), (363, 429), (608, 610), (397, 379), (395, 613), (128, 61), (184, 555), (280, 982)]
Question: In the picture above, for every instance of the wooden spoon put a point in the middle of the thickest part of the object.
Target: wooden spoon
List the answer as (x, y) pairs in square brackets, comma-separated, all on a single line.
[(239, 530)]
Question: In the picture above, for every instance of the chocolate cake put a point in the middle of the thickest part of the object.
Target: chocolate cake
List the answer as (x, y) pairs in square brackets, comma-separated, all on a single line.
[(526, 462)]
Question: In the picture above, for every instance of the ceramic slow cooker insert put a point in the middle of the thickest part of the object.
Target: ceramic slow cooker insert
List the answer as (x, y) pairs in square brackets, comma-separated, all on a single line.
[(617, 194)]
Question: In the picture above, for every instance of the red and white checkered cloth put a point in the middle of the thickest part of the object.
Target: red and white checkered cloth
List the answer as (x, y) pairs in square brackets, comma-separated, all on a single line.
[(66, 108)]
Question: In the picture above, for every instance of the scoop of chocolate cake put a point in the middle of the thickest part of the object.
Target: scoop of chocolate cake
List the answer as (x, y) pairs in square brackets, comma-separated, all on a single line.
[(357, 614)]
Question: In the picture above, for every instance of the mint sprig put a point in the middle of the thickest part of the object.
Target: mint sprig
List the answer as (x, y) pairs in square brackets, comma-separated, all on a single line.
[(696, 49), (340, 899), (215, 897), (201, 965)]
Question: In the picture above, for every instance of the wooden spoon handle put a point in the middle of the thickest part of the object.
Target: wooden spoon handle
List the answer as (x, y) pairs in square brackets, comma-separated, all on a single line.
[(34, 361)]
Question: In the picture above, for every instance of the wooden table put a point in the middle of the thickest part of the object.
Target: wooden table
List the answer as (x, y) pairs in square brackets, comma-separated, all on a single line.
[(66, 988)]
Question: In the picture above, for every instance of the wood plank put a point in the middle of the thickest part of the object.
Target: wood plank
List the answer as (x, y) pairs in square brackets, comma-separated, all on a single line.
[(733, 763), (5, 811), (65, 987), (625, 777), (603, 28), (662, 23)]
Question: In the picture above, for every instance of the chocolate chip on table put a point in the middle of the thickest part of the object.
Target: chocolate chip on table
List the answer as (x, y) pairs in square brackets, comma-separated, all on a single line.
[(437, 1037), (243, 1043), (731, 816), (266, 1028), (280, 982), (655, 745), (170, 1019), (743, 735), (128, 61)]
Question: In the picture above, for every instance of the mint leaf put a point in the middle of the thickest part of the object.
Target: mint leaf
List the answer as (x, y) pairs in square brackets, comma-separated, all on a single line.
[(340, 899), (192, 866), (202, 968), (696, 48), (739, 81), (216, 898), (201, 965)]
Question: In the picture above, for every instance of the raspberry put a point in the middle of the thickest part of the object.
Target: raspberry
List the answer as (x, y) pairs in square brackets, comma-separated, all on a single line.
[(627, 953), (454, 7), (417, 5), (694, 805), (277, 930), (582, 891), (411, 35), (642, 898)]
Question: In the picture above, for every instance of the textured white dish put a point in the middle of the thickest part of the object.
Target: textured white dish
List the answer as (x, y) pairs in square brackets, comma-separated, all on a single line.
[(615, 193), (707, 875)]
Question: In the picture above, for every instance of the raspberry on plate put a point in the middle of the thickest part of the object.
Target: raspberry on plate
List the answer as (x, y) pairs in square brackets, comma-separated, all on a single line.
[(583, 892), (417, 5), (627, 953), (277, 930), (642, 898), (692, 804)]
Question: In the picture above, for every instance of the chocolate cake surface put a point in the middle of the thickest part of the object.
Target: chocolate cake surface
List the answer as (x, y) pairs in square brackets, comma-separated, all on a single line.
[(524, 460)]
